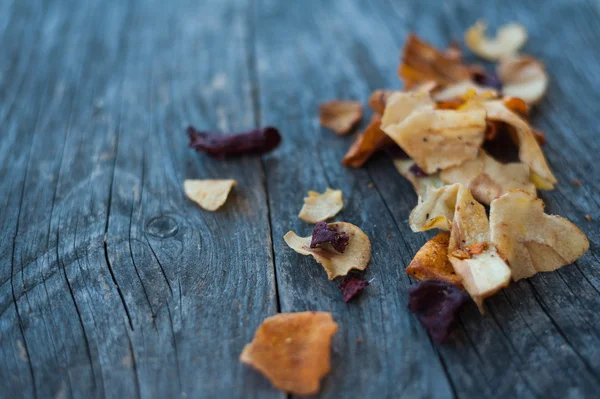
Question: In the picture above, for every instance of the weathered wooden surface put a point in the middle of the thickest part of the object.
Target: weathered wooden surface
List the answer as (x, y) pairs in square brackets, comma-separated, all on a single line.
[(113, 284)]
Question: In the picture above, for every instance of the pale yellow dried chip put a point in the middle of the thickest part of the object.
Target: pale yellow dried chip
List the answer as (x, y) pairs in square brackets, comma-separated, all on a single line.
[(319, 207), (431, 262), (356, 255), (482, 271), (400, 105), (210, 194), (509, 39), (293, 350), (530, 240), (437, 139), (419, 183), (523, 77), (458, 90), (488, 179), (530, 152), (340, 116)]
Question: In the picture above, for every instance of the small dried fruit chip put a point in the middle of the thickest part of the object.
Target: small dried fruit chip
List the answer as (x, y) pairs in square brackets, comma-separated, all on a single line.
[(378, 100), (437, 139), (457, 90), (530, 240), (256, 141), (319, 207), (431, 262), (530, 152), (340, 116), (436, 304), (323, 233), (400, 105), (357, 253), (488, 179), (422, 62), (293, 350), (209, 194), (352, 286), (523, 77), (366, 144), (509, 39), (435, 209), (419, 183)]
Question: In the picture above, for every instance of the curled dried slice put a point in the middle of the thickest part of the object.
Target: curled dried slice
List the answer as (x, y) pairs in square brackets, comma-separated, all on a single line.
[(293, 350), (488, 179), (523, 77), (366, 144), (340, 116), (401, 105), (530, 240), (437, 139), (457, 90), (318, 207), (509, 39), (530, 152), (210, 194), (421, 62), (404, 166), (436, 304), (431, 262), (356, 255)]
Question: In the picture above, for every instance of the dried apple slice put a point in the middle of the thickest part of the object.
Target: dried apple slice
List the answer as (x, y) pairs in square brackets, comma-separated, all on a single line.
[(524, 77), (318, 207), (431, 262), (530, 152), (488, 179), (405, 166), (293, 350), (400, 105), (210, 194), (509, 39), (356, 254), (530, 240), (340, 116)]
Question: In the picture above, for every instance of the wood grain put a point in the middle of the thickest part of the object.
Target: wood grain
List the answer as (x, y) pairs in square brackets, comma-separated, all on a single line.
[(113, 284)]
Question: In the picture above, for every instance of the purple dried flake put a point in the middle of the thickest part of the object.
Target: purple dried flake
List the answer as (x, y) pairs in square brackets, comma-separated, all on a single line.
[(352, 286), (322, 233), (255, 141), (417, 171)]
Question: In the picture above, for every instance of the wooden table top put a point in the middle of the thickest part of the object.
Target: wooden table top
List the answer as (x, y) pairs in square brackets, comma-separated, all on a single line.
[(113, 284)]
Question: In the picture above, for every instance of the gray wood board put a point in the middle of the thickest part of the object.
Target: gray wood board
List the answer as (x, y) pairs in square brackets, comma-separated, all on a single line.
[(113, 284)]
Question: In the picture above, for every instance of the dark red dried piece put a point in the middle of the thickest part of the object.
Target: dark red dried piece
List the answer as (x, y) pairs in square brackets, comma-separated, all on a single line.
[(436, 304), (323, 233), (256, 141), (352, 286), (417, 171)]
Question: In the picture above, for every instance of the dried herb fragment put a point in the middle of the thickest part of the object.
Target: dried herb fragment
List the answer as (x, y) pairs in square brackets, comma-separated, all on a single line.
[(436, 304), (255, 141), (323, 233), (352, 286)]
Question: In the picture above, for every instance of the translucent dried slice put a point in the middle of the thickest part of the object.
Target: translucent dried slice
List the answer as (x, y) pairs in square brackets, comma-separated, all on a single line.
[(488, 179), (340, 116), (530, 152), (419, 183), (421, 62), (318, 207), (435, 209), (457, 90), (366, 144), (356, 255), (210, 194), (293, 350), (438, 139), (400, 105), (530, 240), (509, 39), (524, 77), (431, 262)]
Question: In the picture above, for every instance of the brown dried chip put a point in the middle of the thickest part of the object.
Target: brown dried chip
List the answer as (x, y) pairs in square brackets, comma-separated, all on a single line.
[(356, 255), (340, 116), (431, 262), (524, 77), (318, 207), (293, 350), (488, 179), (509, 39), (378, 100), (531, 240), (366, 144), (210, 194), (422, 62)]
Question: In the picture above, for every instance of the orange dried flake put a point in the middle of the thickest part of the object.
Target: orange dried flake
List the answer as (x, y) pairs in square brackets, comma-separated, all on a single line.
[(293, 350), (431, 262), (366, 144), (340, 116), (476, 249)]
